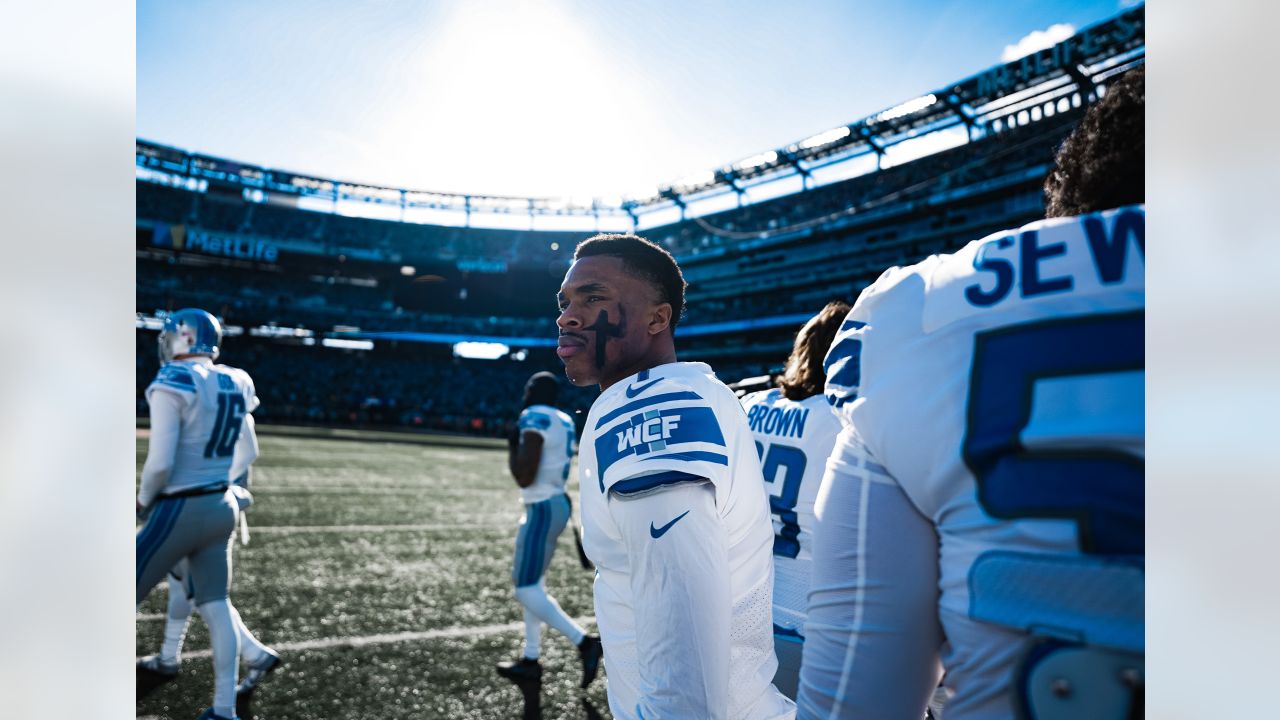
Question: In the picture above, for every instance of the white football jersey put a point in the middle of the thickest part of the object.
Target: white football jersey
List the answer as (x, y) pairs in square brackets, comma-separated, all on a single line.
[(216, 399), (1002, 390), (558, 434), (653, 436), (794, 439)]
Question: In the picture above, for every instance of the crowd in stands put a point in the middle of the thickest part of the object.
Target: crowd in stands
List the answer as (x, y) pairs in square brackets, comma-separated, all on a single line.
[(415, 387), (420, 386)]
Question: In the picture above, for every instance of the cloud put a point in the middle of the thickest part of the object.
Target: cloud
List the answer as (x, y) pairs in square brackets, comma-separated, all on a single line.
[(1037, 40)]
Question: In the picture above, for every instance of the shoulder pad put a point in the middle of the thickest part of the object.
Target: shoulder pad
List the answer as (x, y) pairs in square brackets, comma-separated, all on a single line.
[(534, 420), (175, 377)]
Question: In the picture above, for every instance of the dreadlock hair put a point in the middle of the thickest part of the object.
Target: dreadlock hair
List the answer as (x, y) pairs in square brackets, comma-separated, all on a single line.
[(1101, 164), (643, 258), (804, 375)]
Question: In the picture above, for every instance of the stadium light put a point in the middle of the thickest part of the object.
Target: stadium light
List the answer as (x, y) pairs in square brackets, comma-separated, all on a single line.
[(344, 344), (907, 108), (698, 179), (473, 350), (824, 138), (756, 160), (408, 270)]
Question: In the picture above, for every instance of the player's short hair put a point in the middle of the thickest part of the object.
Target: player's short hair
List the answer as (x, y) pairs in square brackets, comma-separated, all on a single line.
[(804, 376), (542, 389), (1101, 165), (643, 258)]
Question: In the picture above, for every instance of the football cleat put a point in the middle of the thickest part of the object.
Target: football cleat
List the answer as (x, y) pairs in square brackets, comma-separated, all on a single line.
[(158, 665), (258, 670), (523, 669), (153, 672), (591, 651)]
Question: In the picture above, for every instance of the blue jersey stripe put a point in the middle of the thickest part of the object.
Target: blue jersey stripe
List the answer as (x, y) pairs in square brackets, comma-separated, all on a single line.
[(787, 634), (154, 536), (694, 456), (631, 486), (646, 402)]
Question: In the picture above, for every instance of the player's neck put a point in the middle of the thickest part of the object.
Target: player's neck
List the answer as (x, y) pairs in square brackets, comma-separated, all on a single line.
[(660, 356)]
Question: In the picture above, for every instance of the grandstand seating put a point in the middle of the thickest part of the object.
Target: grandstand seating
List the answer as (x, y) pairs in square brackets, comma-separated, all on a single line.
[(771, 263)]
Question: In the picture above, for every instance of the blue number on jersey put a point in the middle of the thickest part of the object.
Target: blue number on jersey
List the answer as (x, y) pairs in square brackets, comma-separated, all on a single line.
[(226, 427), (784, 457), (1100, 488)]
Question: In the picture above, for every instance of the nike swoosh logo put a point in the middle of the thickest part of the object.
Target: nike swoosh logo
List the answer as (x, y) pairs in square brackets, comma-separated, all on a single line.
[(659, 532), (634, 391)]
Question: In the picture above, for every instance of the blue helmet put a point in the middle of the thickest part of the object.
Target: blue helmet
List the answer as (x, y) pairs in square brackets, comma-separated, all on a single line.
[(190, 332)]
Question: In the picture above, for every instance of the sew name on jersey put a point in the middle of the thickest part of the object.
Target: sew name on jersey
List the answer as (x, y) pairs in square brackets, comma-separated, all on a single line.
[(776, 421), (1107, 246), (656, 430), (226, 383)]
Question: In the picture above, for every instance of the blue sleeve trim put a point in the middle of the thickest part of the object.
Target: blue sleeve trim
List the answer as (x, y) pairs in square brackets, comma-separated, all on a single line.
[(176, 375), (851, 325), (176, 386), (694, 456), (787, 633), (645, 402), (644, 483), (534, 420)]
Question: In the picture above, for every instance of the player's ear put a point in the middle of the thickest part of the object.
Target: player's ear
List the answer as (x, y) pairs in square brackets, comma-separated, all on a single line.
[(660, 318)]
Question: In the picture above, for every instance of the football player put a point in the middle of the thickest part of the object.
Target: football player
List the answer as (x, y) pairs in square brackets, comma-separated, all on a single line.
[(674, 510), (198, 411), (539, 461), (795, 428), (983, 509), (262, 660)]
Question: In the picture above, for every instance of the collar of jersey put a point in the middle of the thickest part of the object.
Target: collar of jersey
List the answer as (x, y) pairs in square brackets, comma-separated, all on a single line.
[(674, 369)]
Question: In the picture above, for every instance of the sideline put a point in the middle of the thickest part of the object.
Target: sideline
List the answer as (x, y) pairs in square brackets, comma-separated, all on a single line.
[(411, 437)]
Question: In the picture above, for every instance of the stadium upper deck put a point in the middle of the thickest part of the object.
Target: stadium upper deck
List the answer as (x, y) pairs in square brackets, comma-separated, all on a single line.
[(845, 204)]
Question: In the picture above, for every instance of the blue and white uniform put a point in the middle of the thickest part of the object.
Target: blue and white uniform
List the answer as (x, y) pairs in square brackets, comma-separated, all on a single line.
[(988, 486), (794, 439), (201, 409), (676, 520), (547, 507)]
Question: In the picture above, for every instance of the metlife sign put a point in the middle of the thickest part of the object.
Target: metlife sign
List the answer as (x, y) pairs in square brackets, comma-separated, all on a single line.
[(179, 237)]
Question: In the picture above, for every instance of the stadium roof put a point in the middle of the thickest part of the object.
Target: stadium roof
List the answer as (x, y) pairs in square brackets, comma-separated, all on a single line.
[(1003, 96)]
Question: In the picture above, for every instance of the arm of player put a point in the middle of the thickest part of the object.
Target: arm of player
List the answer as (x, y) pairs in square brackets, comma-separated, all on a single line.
[(873, 638), (166, 423), (245, 453), (680, 589), (523, 460)]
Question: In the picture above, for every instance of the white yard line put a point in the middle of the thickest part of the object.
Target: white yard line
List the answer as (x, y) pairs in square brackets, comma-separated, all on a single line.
[(301, 529), (392, 638), (149, 616)]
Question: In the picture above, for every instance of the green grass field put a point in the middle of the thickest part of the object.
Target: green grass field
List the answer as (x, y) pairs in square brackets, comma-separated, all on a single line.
[(352, 540)]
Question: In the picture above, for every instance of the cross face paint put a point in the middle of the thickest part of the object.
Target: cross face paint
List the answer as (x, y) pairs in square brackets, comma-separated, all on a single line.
[(604, 331)]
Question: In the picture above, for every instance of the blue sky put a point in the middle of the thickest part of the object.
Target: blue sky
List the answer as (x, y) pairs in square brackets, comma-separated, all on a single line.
[(568, 98)]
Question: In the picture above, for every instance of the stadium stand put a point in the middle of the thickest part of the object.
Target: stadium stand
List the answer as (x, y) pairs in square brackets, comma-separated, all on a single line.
[(239, 241)]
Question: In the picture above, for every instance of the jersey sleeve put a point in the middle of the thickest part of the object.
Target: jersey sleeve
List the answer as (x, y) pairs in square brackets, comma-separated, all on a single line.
[(532, 420), (174, 379), (874, 587), (670, 435), (680, 585), (250, 390)]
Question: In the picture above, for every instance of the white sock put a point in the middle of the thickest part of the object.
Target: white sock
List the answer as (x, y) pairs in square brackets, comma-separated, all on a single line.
[(545, 607), (532, 635), (225, 640), (249, 645), (175, 624)]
